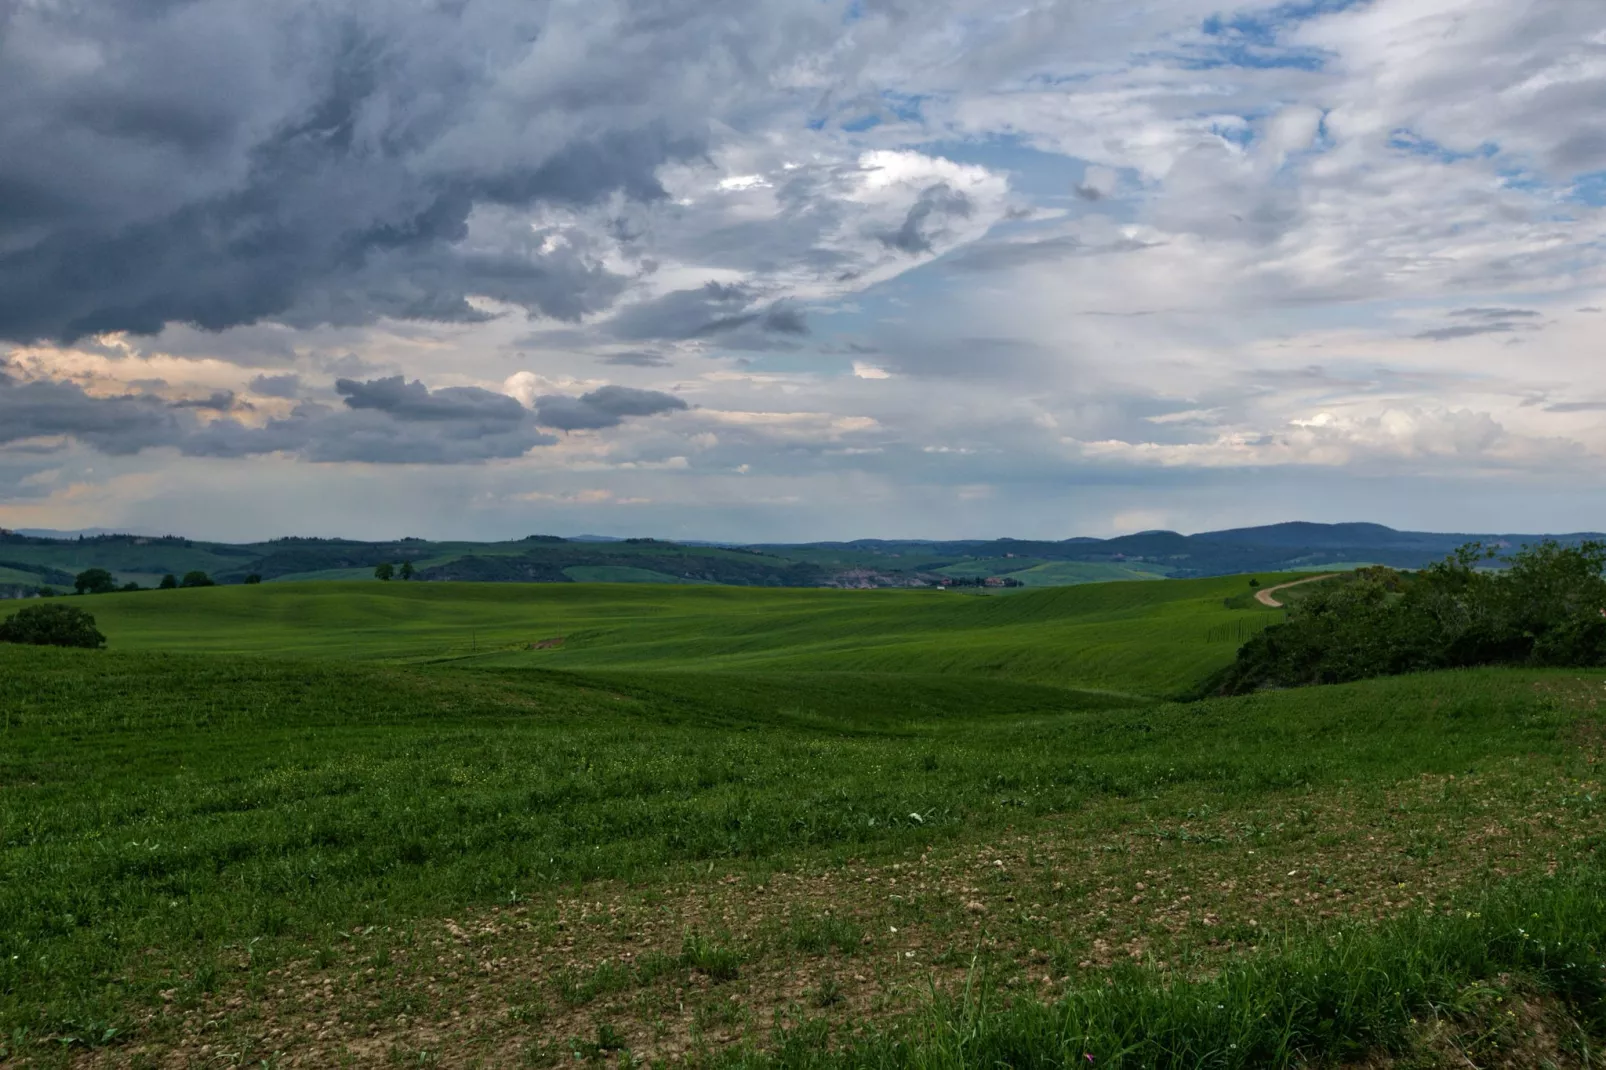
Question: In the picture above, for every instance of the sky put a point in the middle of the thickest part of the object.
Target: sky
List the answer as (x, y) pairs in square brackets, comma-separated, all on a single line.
[(787, 270)]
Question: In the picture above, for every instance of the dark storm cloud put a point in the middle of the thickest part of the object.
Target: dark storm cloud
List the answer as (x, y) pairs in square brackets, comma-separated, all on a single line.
[(276, 386), (382, 421), (608, 406), (117, 425), (219, 401), (221, 162), (784, 319), (682, 313), (324, 433), (415, 402), (924, 218), (727, 312)]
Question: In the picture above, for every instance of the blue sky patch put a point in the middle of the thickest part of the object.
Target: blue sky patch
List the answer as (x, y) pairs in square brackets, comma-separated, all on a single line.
[(1252, 39), (1417, 145), (1590, 188)]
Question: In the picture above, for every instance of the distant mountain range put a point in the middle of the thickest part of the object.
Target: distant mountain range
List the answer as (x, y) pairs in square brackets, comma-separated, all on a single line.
[(32, 559)]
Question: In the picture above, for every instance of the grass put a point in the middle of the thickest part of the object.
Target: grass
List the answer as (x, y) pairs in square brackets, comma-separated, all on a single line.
[(712, 811), (1149, 639), (619, 574), (17, 576), (1349, 994), (1060, 573)]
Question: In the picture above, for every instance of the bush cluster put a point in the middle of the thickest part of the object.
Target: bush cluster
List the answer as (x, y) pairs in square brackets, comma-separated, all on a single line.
[(52, 625), (1547, 607)]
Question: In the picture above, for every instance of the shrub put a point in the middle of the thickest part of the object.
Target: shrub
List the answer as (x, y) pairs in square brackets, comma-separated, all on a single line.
[(1547, 608), (196, 578), (253, 578), (169, 582), (52, 625)]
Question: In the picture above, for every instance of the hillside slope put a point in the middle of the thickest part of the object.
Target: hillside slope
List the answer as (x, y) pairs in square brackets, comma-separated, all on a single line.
[(33, 561)]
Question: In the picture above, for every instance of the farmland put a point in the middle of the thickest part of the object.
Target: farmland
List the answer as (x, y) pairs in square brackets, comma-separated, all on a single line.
[(495, 824)]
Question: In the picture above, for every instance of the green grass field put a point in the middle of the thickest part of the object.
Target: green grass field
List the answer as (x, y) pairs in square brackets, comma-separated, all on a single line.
[(486, 824)]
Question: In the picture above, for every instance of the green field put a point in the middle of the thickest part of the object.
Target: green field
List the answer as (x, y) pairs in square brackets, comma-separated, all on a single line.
[(496, 824)]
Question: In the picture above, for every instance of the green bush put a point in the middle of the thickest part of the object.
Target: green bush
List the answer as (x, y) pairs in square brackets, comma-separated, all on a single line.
[(196, 579), (94, 581), (52, 625), (1546, 608)]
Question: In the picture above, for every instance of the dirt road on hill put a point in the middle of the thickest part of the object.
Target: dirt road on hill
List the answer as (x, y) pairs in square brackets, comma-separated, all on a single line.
[(1264, 597)]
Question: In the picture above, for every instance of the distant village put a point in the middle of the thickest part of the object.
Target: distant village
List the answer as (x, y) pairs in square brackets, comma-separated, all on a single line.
[(865, 579)]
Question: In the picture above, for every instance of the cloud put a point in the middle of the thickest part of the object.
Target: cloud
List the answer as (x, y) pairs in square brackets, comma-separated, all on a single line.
[(118, 425), (636, 358), (928, 214), (1097, 183), (1011, 253), (1329, 439), (1449, 334), (947, 194), (386, 421), (415, 402), (218, 401), (324, 434), (1497, 313), (216, 163), (608, 406), (276, 386)]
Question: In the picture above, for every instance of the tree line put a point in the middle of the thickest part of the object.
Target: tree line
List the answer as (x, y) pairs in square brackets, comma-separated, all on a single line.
[(101, 581)]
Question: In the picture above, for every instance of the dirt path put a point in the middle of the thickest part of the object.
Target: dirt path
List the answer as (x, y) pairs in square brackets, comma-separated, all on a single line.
[(1264, 596)]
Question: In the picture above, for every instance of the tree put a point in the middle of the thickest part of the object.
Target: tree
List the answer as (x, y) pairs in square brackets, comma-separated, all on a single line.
[(94, 581), (407, 570), (253, 578), (52, 625), (47, 592), (384, 572), (169, 582), (197, 578), (131, 586)]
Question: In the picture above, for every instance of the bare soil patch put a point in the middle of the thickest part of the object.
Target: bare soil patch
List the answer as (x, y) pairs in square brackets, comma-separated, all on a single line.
[(722, 957)]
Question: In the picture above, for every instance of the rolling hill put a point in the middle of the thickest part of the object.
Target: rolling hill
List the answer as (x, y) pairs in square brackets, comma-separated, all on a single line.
[(30, 560)]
